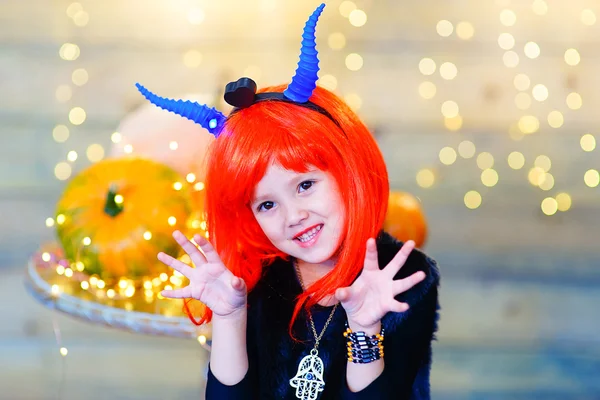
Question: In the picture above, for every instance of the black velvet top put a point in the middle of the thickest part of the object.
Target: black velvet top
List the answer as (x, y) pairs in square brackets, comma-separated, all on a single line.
[(274, 357)]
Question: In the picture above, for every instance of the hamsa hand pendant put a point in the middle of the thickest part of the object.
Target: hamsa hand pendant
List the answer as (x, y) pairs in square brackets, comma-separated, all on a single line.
[(308, 381)]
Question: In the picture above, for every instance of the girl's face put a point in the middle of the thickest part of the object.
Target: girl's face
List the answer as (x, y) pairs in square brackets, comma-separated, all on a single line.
[(302, 214)]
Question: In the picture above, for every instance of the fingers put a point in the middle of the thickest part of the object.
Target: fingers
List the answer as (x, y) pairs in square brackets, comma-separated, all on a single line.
[(189, 247), (174, 263), (183, 293), (344, 294), (207, 248), (238, 284), (400, 258), (371, 262), (399, 307), (402, 285)]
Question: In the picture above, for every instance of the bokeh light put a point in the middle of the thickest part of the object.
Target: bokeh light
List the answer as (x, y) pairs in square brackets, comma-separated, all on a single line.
[(427, 90), (516, 160), (506, 41), (447, 155), (336, 41), (444, 28), (572, 57), (427, 66), (466, 149), (465, 30), (425, 178), (472, 199), (485, 160), (354, 61), (591, 178), (588, 142), (508, 17), (448, 70)]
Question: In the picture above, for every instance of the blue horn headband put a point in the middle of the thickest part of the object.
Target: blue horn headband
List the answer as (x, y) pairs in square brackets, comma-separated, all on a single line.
[(242, 93)]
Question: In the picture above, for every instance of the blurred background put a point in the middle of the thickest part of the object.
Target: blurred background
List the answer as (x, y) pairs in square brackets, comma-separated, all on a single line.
[(486, 112)]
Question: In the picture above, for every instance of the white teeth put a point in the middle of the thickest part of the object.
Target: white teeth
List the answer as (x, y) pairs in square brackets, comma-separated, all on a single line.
[(309, 235)]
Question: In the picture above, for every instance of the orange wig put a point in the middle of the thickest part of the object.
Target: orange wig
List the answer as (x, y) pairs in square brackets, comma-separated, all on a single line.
[(295, 138)]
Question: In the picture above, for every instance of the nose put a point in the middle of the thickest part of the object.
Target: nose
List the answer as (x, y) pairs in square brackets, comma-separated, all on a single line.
[(296, 214)]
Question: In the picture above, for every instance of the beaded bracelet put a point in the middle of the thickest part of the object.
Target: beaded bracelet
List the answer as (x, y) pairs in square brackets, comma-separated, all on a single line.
[(363, 349)]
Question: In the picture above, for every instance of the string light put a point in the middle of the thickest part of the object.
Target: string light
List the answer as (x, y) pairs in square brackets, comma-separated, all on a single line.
[(588, 17), (539, 7), (522, 101), (448, 71), (77, 116), (63, 93), (346, 7), (563, 201), (549, 206), (516, 160), (354, 61), (450, 109), (547, 182), (508, 17), (555, 119), (336, 41), (444, 28), (465, 30), (506, 41), (572, 57), (427, 66), (540, 92), (532, 50), (328, 81), (574, 101), (485, 160), (357, 18), (591, 178), (427, 90), (543, 162), (522, 82), (510, 59), (587, 142), (453, 123), (472, 199), (489, 177), (353, 100), (466, 149), (447, 155), (425, 178), (116, 137)]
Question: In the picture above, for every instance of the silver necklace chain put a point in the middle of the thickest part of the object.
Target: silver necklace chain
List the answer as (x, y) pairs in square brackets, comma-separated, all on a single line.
[(312, 323)]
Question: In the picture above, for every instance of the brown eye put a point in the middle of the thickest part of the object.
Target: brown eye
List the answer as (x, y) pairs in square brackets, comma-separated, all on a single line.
[(267, 205), (306, 185)]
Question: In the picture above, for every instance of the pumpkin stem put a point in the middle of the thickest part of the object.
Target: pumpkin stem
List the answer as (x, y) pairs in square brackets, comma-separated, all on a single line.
[(112, 207)]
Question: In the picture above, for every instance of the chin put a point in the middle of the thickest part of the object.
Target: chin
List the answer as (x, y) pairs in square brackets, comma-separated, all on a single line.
[(319, 256)]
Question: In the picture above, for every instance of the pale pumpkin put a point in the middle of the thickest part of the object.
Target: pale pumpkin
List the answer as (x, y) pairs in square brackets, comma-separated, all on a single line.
[(405, 219), (116, 215)]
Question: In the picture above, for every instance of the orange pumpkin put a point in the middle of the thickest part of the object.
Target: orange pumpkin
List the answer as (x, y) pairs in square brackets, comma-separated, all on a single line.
[(116, 215), (405, 219)]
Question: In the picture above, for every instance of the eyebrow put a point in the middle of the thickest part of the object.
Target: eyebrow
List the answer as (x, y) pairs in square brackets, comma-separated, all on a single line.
[(298, 178)]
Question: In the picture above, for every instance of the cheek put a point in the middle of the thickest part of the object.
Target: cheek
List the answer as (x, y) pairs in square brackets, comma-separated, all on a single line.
[(268, 227)]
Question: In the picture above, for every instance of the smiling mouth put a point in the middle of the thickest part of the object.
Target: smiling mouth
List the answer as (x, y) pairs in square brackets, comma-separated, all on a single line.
[(308, 236)]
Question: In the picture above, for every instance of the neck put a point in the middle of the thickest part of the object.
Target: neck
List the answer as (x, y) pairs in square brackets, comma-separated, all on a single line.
[(310, 273)]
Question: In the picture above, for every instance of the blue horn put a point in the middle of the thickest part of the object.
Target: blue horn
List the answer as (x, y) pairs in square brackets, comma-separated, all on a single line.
[(208, 117), (305, 80)]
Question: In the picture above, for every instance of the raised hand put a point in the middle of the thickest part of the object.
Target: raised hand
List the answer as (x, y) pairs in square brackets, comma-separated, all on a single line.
[(371, 296), (210, 282)]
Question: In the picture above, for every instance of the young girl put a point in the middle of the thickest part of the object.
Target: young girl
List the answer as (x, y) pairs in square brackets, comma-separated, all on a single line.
[(309, 298)]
